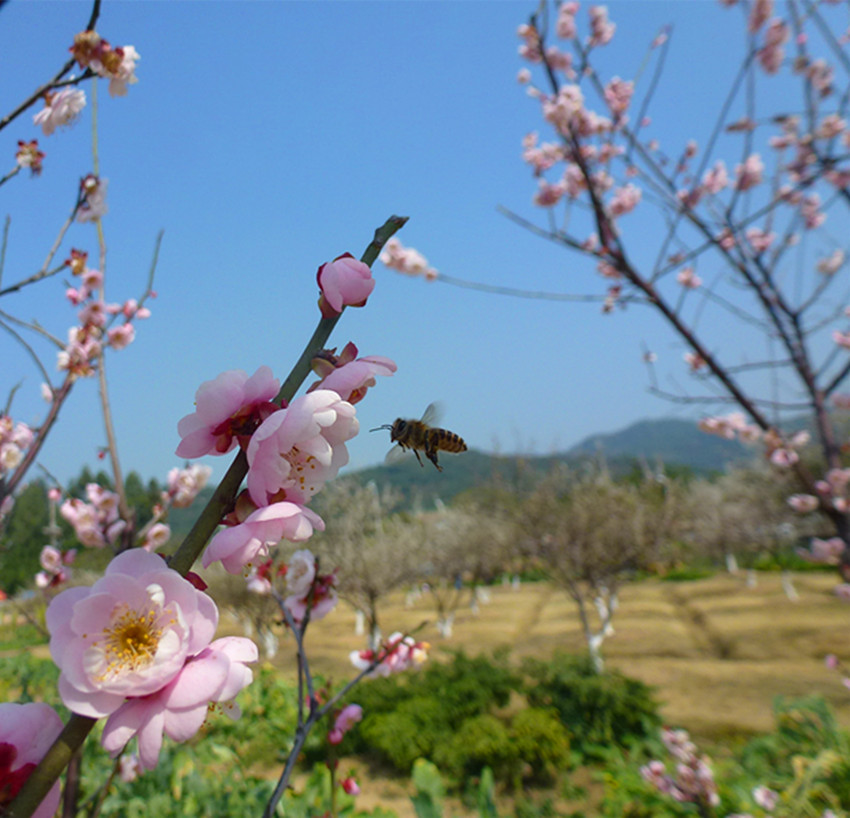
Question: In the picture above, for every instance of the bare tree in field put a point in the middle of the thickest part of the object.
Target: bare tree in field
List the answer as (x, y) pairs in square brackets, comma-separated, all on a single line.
[(744, 515), (591, 534), (373, 550), (749, 218)]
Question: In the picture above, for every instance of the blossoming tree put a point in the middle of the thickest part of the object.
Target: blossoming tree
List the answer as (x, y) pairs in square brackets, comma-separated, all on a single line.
[(734, 241), (726, 235)]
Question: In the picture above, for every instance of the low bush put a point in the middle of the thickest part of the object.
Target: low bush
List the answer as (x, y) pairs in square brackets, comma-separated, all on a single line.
[(600, 709), (542, 742)]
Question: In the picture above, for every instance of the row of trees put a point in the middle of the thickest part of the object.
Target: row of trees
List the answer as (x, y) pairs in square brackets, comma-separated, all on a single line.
[(587, 531)]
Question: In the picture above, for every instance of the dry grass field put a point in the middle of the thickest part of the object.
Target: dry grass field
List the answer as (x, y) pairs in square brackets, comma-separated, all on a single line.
[(716, 651)]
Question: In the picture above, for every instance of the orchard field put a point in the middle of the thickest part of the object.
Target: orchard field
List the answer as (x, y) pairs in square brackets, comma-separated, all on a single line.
[(717, 651)]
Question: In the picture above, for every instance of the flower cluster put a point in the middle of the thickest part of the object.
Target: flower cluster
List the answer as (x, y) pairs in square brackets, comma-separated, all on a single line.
[(86, 341), (136, 648), (118, 65), (345, 720), (292, 450), (823, 552), (308, 589), (54, 564), (96, 522), (732, 426), (15, 439), (693, 781), (406, 260), (184, 485), (397, 654)]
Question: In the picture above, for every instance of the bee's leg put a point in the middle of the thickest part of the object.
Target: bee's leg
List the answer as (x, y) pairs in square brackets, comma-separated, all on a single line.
[(418, 458), (431, 454)]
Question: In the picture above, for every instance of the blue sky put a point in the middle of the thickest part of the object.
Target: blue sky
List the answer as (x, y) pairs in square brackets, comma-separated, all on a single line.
[(268, 137)]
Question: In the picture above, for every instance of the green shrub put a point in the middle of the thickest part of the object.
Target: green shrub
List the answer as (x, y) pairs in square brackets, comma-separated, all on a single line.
[(541, 741), (599, 709), (413, 730), (480, 741), (410, 717)]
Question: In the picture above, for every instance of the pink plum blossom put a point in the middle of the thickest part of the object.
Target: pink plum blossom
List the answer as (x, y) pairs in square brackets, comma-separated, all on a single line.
[(823, 552), (129, 767), (347, 718), (26, 733), (832, 263), (227, 408), (301, 572), (93, 205), (770, 56), (803, 503), (95, 523), (397, 654), (350, 377), (157, 536), (295, 450), (345, 281), (121, 337), (257, 581), (841, 338), (688, 278), (406, 260), (241, 545), (759, 239), (54, 562), (15, 439), (61, 108), (349, 786), (760, 11), (601, 29), (695, 361), (618, 95), (118, 65), (178, 709), (184, 484), (749, 173), (29, 156), (128, 635), (693, 781), (320, 598), (765, 797), (565, 26), (547, 194), (715, 178), (625, 200)]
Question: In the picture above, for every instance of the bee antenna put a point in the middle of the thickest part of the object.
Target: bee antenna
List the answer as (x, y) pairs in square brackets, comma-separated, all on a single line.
[(385, 426)]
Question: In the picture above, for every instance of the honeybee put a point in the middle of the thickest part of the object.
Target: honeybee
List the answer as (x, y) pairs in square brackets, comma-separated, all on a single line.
[(420, 435)]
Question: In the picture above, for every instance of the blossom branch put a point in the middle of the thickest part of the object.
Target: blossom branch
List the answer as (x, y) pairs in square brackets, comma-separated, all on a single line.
[(55, 82)]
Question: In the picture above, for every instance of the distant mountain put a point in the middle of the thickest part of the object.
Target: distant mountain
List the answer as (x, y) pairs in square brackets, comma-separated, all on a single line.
[(672, 441)]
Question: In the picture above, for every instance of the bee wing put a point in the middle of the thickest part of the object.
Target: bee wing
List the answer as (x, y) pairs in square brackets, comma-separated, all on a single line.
[(396, 455), (433, 414)]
